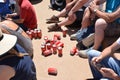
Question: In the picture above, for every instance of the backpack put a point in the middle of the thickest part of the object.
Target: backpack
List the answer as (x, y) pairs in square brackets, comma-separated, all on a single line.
[(57, 4), (4, 9)]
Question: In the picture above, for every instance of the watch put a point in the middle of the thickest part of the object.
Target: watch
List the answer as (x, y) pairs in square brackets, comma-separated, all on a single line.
[(94, 11)]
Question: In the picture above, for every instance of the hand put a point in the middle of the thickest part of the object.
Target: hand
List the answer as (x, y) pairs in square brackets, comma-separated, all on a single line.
[(96, 59), (107, 72), (93, 6)]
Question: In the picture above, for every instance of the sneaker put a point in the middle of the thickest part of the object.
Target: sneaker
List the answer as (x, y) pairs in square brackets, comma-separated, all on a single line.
[(54, 27), (83, 53), (88, 41), (81, 46), (81, 34), (77, 34), (53, 19)]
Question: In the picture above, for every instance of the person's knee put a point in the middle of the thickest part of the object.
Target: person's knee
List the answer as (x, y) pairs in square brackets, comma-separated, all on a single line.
[(74, 18), (100, 24), (93, 53)]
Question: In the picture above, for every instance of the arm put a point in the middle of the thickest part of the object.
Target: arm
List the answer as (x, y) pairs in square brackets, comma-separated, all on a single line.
[(107, 72), (109, 17), (78, 5), (18, 20), (109, 50), (6, 72), (70, 5), (106, 52), (98, 2)]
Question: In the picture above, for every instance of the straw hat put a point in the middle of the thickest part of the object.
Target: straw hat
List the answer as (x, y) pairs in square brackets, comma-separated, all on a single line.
[(2, 1), (7, 41)]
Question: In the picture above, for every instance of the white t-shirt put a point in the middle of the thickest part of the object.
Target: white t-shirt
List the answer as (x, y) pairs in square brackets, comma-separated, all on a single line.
[(87, 4)]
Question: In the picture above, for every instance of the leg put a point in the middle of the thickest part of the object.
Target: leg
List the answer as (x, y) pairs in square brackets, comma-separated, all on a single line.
[(100, 26), (57, 26), (67, 1), (84, 31), (6, 72), (108, 62), (63, 13), (86, 19), (66, 21), (55, 18)]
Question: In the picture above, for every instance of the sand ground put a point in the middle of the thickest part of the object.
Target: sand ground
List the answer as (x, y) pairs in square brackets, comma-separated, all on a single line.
[(68, 67)]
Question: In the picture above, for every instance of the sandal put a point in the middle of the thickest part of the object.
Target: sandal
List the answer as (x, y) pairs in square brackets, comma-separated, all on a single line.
[(54, 27), (53, 19)]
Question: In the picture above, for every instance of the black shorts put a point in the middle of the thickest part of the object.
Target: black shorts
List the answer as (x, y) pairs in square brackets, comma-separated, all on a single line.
[(79, 14)]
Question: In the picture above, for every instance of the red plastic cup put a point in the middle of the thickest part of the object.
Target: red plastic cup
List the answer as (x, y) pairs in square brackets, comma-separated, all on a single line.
[(52, 71)]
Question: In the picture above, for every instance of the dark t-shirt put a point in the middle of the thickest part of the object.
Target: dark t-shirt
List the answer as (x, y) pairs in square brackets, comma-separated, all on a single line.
[(24, 67)]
